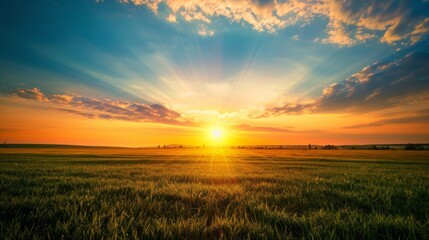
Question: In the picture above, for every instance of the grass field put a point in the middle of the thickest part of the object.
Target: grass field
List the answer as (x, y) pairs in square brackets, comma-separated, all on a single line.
[(77, 193)]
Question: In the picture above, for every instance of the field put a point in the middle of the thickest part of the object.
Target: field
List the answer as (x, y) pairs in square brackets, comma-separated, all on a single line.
[(102, 193)]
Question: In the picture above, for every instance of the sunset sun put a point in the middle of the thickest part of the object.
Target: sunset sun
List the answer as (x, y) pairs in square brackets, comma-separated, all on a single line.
[(216, 133), (217, 136)]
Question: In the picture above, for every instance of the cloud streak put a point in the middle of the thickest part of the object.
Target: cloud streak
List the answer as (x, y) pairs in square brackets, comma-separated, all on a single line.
[(94, 108), (248, 128), (349, 22), (376, 87), (421, 117)]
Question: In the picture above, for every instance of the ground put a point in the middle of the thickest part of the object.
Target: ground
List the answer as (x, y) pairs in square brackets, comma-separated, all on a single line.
[(84, 193)]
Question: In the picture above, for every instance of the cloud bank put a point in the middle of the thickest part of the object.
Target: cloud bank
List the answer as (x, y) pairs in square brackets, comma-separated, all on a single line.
[(376, 87), (93, 108), (349, 21)]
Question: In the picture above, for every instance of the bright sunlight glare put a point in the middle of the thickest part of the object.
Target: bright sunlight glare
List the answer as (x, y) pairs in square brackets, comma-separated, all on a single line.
[(216, 133)]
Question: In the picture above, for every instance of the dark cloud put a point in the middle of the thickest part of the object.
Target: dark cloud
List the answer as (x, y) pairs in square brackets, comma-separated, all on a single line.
[(33, 94), (380, 86), (263, 2), (92, 108)]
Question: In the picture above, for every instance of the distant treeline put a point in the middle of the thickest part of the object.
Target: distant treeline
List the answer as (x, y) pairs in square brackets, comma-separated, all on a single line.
[(408, 146), (25, 145)]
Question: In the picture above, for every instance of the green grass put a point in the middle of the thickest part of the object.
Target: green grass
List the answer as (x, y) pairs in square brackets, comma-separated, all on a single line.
[(213, 193)]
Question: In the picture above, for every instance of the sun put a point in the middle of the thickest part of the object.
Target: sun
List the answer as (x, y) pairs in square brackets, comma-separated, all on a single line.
[(217, 136), (216, 133)]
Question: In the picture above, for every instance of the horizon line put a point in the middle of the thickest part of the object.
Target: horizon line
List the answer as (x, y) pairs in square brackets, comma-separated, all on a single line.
[(161, 146)]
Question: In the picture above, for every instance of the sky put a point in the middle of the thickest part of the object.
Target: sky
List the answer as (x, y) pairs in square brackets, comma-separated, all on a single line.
[(148, 72)]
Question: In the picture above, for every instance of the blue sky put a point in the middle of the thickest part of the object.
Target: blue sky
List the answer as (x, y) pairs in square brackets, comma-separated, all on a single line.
[(251, 59), (114, 39)]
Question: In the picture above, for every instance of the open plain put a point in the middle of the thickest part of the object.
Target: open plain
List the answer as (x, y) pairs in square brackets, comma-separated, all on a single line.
[(213, 193)]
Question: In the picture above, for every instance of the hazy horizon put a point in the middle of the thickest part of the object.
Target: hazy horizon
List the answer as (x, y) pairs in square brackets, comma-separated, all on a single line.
[(202, 146)]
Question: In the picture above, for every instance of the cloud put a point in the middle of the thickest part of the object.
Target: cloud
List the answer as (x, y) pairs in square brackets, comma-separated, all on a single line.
[(337, 34), (287, 109), (394, 20), (94, 108), (248, 128), (421, 117), (33, 94), (82, 114), (380, 86), (204, 32), (349, 21)]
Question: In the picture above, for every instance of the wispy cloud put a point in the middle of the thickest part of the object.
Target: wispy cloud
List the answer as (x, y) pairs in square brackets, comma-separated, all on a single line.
[(94, 108), (248, 128), (420, 117), (375, 87), (349, 22), (79, 113)]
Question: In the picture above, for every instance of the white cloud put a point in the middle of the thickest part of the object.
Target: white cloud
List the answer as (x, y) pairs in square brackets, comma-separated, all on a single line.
[(204, 32), (349, 21)]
